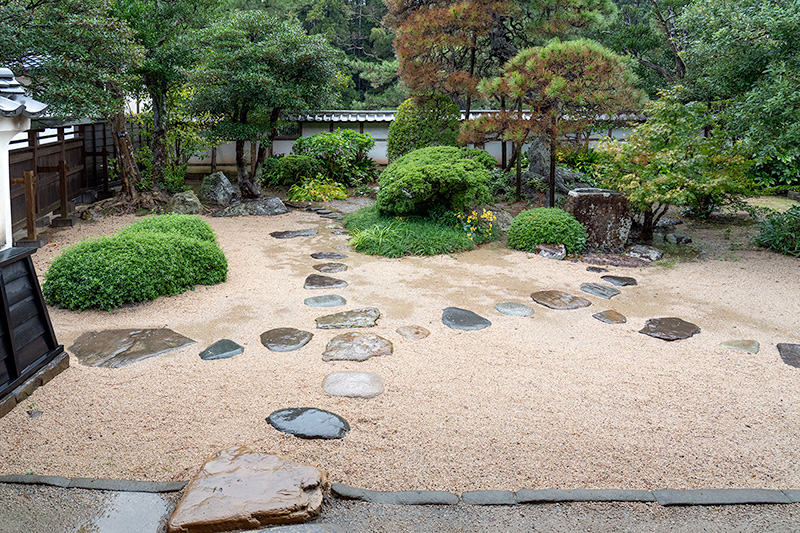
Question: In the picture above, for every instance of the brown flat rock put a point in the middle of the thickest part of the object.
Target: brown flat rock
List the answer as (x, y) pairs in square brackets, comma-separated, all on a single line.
[(559, 300), (356, 347), (240, 489), (413, 332), (669, 329), (610, 317), (114, 348)]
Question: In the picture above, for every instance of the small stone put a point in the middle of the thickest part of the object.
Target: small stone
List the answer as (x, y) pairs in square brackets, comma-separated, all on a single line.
[(330, 268), (315, 281), (463, 319), (119, 347), (358, 318), (620, 281), (34, 413), (293, 233), (356, 347), (749, 346), (790, 354), (601, 291), (669, 329), (328, 255), (559, 300), (648, 253), (285, 339), (353, 384), (677, 238), (514, 309), (329, 300), (413, 332), (222, 349), (610, 317), (309, 423), (596, 269), (551, 251)]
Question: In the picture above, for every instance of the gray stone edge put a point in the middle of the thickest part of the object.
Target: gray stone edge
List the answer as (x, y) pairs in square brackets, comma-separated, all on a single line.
[(120, 485), (400, 497)]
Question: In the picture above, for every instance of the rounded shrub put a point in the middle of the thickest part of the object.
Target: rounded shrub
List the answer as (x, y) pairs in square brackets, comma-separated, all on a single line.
[(189, 226), (292, 168), (781, 232), (422, 121), (438, 176), (546, 225)]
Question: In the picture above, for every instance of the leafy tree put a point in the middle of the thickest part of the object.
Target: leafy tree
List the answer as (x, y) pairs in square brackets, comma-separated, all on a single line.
[(423, 121), (253, 66)]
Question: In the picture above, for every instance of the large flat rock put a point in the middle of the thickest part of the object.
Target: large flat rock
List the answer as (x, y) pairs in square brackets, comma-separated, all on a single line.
[(358, 318), (559, 300), (328, 300), (610, 317), (601, 291), (328, 255), (309, 423), (292, 234), (353, 384), (669, 328), (285, 339), (315, 281), (240, 489), (463, 319), (330, 268), (356, 346), (790, 354), (114, 348), (222, 349)]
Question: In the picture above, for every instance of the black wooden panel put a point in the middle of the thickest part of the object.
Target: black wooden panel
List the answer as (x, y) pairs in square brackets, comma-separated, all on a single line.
[(23, 310), (4, 376), (26, 332), (14, 271), (18, 290), (31, 351)]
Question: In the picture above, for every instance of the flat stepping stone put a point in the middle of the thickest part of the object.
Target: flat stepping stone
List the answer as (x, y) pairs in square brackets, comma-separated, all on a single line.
[(330, 268), (115, 348), (316, 281), (340, 232), (329, 300), (309, 423), (413, 332), (601, 291), (293, 233), (514, 309), (790, 354), (222, 349), (559, 300), (596, 270), (610, 317), (356, 347), (749, 346), (324, 211), (353, 384), (328, 255), (669, 329), (463, 319), (240, 488), (285, 339), (620, 281), (358, 318)]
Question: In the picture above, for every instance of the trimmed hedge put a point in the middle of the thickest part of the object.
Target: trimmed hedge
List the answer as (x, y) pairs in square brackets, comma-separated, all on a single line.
[(546, 225), (155, 257), (423, 121)]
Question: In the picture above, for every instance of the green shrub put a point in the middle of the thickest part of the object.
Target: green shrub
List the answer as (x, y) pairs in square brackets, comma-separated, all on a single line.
[(423, 121), (317, 189), (343, 154), (446, 176), (781, 232), (291, 169), (777, 174), (546, 225), (154, 257)]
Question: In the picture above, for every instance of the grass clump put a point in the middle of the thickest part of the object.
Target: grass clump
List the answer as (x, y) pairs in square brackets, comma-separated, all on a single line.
[(546, 225), (781, 232), (154, 257)]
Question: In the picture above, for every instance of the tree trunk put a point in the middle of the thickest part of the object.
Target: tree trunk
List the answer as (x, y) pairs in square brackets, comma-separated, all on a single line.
[(129, 172), (551, 193), (247, 187), (648, 225), (158, 145)]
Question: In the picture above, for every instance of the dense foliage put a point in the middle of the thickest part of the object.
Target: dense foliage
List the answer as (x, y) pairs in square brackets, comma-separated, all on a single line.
[(289, 169), (781, 232), (421, 121), (344, 154), (318, 189), (546, 225)]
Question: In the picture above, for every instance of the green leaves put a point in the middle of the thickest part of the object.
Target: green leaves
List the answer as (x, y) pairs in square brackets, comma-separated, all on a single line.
[(430, 120), (546, 225)]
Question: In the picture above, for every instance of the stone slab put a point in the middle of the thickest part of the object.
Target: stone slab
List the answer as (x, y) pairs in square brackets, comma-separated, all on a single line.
[(514, 309), (793, 495), (316, 281), (222, 349), (356, 346), (413, 332), (357, 318), (119, 347), (583, 495), (123, 485), (330, 268), (669, 328), (309, 423), (32, 479), (329, 300), (620, 281), (489, 497), (328, 255), (559, 300), (667, 497), (463, 319), (291, 234), (601, 291), (744, 345), (401, 497), (596, 270), (318, 527), (790, 354), (353, 384), (610, 317), (285, 339)]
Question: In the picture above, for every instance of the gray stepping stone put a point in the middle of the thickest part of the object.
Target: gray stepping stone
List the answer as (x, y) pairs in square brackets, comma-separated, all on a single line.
[(790, 354), (620, 281), (329, 300), (358, 318), (610, 317), (353, 384), (559, 300), (749, 346), (222, 349), (602, 291), (669, 329), (293, 233), (356, 347), (583, 495), (413, 332), (340, 232), (514, 309), (115, 348), (668, 497), (489, 497), (309, 423), (457, 318), (324, 211), (315, 281), (596, 270), (399, 497), (330, 268), (328, 255), (285, 339)]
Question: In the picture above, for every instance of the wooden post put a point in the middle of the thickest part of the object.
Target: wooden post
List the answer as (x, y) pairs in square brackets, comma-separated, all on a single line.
[(62, 173), (29, 181)]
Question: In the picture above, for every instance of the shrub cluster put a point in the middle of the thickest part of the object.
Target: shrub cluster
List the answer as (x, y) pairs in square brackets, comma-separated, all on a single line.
[(317, 189), (546, 225), (154, 257), (423, 121), (343, 155), (289, 169), (781, 232)]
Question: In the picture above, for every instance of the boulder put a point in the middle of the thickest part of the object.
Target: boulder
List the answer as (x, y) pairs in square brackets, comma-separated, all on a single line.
[(539, 171), (605, 215), (217, 189), (185, 203), (262, 207)]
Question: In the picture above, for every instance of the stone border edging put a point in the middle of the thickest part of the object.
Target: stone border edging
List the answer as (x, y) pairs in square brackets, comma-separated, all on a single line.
[(665, 497), (119, 485)]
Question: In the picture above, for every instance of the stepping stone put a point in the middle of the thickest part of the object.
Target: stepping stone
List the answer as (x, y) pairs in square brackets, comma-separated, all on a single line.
[(115, 348), (457, 318), (341, 232), (315, 281), (610, 317), (324, 211), (330, 268), (559, 300), (514, 309), (602, 291), (329, 300), (669, 329), (356, 347), (221, 350), (358, 318), (413, 332), (790, 354), (240, 488), (285, 339), (748, 346), (315, 208), (596, 269), (620, 281), (328, 255), (353, 384), (309, 423), (293, 233), (551, 251)]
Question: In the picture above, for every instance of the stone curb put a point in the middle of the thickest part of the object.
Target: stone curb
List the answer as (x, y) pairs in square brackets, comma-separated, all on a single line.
[(119, 485), (793, 495), (400, 497), (719, 496), (304, 528), (583, 495), (489, 497)]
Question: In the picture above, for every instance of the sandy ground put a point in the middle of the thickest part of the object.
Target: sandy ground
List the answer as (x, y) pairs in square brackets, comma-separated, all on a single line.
[(556, 400)]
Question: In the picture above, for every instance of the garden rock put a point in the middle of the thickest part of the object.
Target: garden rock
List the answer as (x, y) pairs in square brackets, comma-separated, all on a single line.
[(605, 215), (330, 268), (503, 218), (330, 300), (790, 354), (539, 171), (291, 234), (610, 317), (358, 318), (309, 423), (328, 255), (217, 189), (793, 195), (185, 203), (749, 346), (285, 339), (677, 238), (353, 384), (647, 253), (315, 281), (596, 270), (263, 207), (559, 300), (616, 260), (463, 319), (513, 309), (601, 291), (413, 332), (669, 329), (551, 251), (620, 281), (222, 349), (119, 347), (356, 347), (240, 489)]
